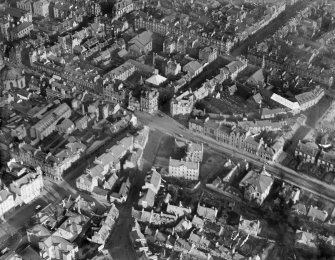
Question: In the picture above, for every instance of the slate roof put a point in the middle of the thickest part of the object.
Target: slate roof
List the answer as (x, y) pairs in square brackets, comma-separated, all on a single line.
[(260, 181)]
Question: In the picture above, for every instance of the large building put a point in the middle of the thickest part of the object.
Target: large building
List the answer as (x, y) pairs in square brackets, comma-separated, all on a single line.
[(256, 186), (184, 169), (141, 44), (149, 101), (52, 165), (183, 104), (48, 123), (28, 187)]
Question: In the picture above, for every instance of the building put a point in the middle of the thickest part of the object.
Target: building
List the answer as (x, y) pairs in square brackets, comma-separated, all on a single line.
[(55, 247), (52, 165), (10, 77), (72, 227), (26, 5), (272, 113), (306, 241), (327, 160), (193, 68), (21, 30), (36, 234), (256, 186), (184, 169), (150, 188), (207, 213), (235, 67), (122, 7), (194, 152), (179, 211), (106, 226), (171, 68), (122, 72), (183, 104), (28, 187), (251, 227), (308, 99), (107, 163), (7, 201), (48, 123), (157, 26), (307, 151), (208, 54), (141, 44), (41, 8), (149, 101), (316, 214)]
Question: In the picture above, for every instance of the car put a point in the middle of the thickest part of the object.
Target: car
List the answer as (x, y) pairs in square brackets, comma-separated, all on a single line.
[(38, 207), (180, 135)]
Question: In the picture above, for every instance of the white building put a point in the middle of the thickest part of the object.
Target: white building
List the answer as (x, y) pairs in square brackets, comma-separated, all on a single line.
[(7, 201), (28, 187), (183, 104), (184, 169)]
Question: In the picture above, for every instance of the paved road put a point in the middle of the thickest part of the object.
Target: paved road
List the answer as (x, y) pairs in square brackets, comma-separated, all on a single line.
[(168, 125), (271, 28)]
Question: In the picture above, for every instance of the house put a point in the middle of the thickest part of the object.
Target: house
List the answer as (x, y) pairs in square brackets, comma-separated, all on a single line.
[(66, 126), (193, 68), (178, 210), (299, 209), (306, 241), (207, 213), (172, 68), (36, 234), (55, 247), (107, 225), (149, 100), (327, 160), (308, 99), (28, 187), (256, 79), (122, 7), (198, 222), (316, 214), (235, 67), (307, 151), (208, 54), (141, 44), (150, 188), (100, 193), (272, 113), (183, 226), (256, 186), (184, 169), (251, 227), (194, 152), (122, 195), (183, 104), (72, 227), (7, 201)]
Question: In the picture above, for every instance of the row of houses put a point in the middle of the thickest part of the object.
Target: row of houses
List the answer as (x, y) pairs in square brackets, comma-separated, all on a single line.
[(52, 165), (238, 138), (310, 152), (23, 190)]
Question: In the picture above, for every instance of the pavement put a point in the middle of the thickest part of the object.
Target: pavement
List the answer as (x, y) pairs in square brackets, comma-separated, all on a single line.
[(171, 127)]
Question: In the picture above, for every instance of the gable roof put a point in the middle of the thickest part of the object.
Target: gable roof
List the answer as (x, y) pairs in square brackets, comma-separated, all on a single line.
[(260, 181)]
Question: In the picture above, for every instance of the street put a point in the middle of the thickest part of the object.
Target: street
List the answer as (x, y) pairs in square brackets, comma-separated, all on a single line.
[(170, 126), (271, 28)]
